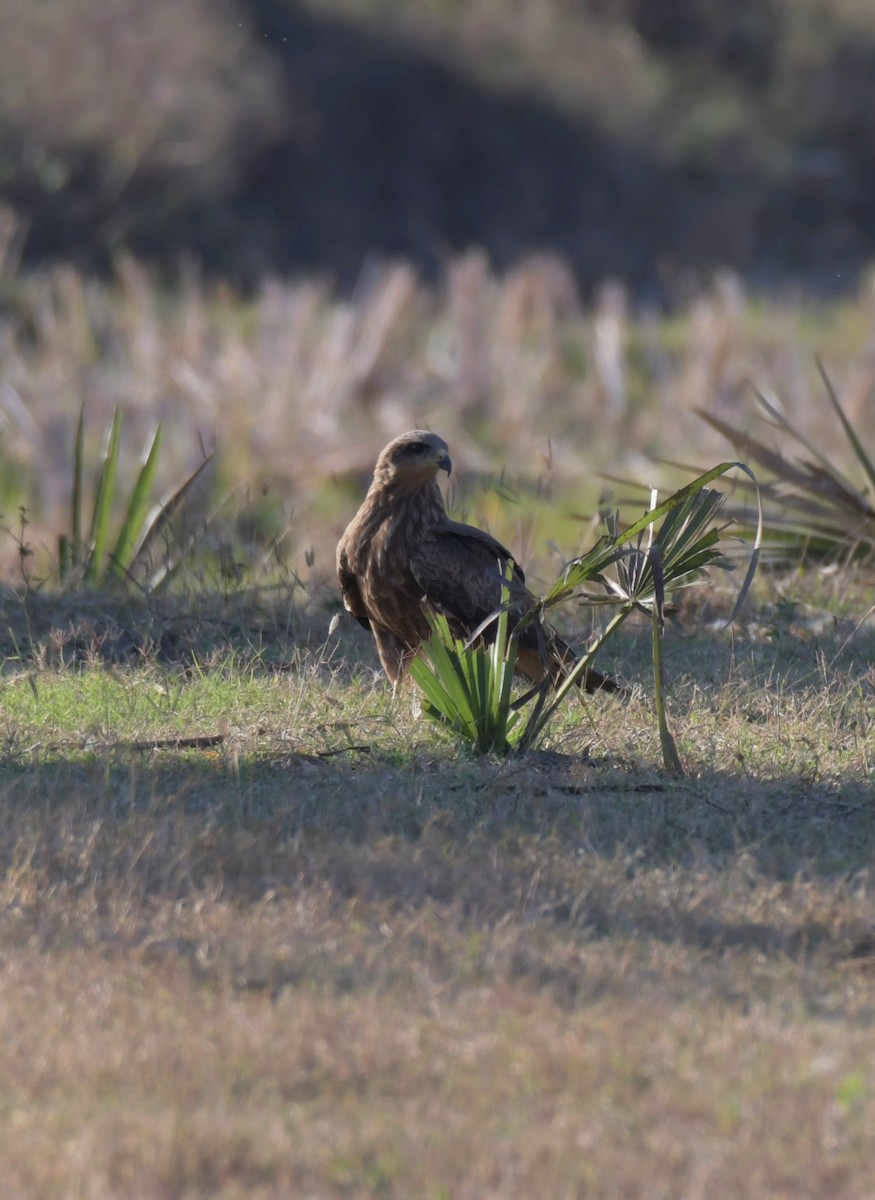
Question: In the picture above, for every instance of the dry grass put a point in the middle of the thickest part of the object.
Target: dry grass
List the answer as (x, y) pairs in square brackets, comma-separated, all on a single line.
[(268, 970), (298, 390)]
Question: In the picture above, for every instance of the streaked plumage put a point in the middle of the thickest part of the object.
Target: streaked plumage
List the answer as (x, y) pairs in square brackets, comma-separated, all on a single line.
[(402, 547)]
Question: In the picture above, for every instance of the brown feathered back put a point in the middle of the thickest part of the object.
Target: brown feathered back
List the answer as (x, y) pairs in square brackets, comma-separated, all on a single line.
[(401, 548)]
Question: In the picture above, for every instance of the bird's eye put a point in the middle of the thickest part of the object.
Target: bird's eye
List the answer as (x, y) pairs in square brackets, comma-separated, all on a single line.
[(419, 448)]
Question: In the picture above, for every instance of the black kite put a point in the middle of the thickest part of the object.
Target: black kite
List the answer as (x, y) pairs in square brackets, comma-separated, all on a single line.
[(401, 548)]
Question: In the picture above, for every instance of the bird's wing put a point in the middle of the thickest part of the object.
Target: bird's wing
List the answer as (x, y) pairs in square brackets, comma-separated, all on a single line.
[(459, 569), (349, 589)]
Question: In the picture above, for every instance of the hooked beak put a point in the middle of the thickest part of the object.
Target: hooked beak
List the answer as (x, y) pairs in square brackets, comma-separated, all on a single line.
[(445, 464)]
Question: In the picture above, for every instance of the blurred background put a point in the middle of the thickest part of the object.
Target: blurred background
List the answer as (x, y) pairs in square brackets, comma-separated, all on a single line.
[(634, 139), (551, 228)]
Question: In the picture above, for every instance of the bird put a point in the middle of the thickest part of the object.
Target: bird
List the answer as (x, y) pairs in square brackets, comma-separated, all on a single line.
[(401, 549)]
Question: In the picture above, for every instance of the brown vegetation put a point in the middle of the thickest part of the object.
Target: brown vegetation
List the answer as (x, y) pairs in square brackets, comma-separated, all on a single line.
[(297, 389)]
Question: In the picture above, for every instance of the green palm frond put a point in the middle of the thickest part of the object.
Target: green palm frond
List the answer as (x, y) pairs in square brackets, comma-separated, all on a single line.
[(814, 506), (468, 687), (89, 560), (95, 568), (131, 532)]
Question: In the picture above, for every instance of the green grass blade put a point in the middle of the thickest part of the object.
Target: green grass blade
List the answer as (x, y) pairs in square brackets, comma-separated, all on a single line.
[(102, 514), (584, 569), (443, 676), (64, 558), (440, 704), (123, 553), (670, 757), (687, 543), (503, 663), (162, 526), (682, 556), (755, 550), (507, 666), (426, 676), (681, 496), (684, 524), (76, 500), (858, 448)]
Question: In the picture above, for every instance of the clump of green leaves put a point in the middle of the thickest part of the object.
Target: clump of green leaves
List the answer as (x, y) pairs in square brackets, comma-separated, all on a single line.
[(815, 508), (96, 558), (469, 688)]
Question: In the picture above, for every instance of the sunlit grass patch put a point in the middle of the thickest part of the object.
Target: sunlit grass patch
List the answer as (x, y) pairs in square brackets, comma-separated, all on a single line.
[(99, 707)]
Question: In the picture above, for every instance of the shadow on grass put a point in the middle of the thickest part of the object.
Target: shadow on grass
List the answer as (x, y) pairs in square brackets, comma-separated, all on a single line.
[(265, 629), (556, 848), (547, 839)]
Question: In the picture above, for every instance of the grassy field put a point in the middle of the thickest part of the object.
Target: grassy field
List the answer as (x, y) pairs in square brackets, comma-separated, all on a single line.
[(333, 955), (265, 932)]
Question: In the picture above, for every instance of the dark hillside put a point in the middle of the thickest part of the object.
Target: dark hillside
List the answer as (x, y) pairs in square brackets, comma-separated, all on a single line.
[(266, 135)]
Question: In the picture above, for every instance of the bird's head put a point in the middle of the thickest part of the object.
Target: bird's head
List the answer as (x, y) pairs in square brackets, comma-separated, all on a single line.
[(414, 458)]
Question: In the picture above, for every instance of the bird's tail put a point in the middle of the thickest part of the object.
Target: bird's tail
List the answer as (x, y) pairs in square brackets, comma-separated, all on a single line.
[(556, 659)]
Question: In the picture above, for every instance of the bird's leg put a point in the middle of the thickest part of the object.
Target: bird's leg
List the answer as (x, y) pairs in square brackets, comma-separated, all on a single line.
[(393, 655)]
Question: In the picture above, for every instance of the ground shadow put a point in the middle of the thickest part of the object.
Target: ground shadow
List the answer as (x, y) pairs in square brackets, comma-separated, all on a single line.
[(265, 629), (420, 827), (425, 827)]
